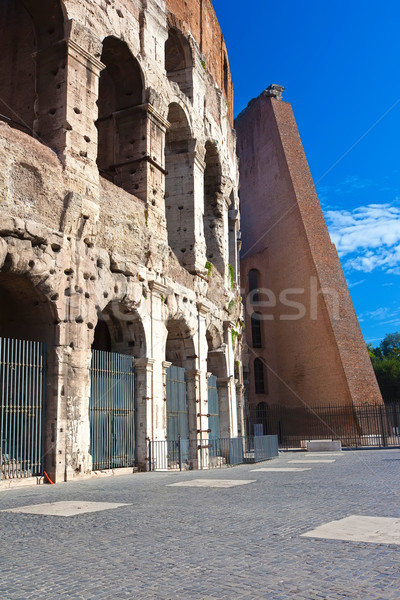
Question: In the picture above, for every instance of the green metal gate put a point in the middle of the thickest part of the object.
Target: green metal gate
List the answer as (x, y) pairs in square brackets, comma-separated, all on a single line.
[(213, 408), (112, 410), (177, 405), (22, 380)]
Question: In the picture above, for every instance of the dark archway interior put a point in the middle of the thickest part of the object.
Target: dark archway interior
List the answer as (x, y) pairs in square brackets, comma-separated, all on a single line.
[(120, 330), (213, 217), (178, 61), (121, 124), (180, 349), (32, 66), (24, 312), (179, 184)]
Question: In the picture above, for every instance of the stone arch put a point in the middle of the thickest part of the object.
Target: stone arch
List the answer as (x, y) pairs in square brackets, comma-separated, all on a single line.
[(213, 208), (119, 329), (179, 187), (121, 122), (26, 314), (179, 61), (32, 68)]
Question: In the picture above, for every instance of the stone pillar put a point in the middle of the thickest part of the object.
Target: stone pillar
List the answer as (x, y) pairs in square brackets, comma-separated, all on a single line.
[(144, 410), (225, 421), (200, 244), (80, 153), (67, 435), (157, 351), (67, 91), (240, 405), (230, 381)]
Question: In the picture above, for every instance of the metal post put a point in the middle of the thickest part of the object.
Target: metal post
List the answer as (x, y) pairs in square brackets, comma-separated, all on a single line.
[(180, 453)]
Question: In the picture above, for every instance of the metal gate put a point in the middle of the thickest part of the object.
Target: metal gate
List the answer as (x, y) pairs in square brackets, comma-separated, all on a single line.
[(112, 410), (213, 408), (177, 406), (22, 377)]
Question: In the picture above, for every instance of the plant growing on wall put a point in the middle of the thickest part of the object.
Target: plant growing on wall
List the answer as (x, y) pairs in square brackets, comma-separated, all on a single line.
[(231, 276)]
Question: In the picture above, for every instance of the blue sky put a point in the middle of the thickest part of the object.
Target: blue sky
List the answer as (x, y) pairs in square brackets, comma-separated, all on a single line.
[(339, 62)]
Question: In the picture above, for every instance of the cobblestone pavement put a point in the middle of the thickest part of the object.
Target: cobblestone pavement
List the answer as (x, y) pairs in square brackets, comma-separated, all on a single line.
[(204, 543)]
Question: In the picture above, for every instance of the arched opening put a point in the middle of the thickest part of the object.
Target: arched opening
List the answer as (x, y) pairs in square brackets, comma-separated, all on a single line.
[(256, 334), (260, 377), (180, 405), (120, 330), (254, 284), (27, 339), (121, 122), (119, 337), (213, 209), (179, 187), (179, 62), (32, 68), (218, 406)]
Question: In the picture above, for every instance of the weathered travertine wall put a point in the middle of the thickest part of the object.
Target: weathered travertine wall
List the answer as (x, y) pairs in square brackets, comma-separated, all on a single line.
[(104, 211), (311, 343)]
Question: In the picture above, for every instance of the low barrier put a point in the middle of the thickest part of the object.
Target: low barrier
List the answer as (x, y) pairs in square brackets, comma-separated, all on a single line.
[(184, 454)]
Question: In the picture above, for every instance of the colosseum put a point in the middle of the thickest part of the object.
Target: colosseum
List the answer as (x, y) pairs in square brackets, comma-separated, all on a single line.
[(119, 228), (121, 319)]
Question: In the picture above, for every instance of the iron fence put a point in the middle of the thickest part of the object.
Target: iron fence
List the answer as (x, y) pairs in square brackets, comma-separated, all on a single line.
[(22, 379), (185, 454), (355, 426), (112, 410)]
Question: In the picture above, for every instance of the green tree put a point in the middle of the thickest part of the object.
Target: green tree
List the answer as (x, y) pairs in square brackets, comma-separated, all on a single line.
[(385, 359), (390, 345)]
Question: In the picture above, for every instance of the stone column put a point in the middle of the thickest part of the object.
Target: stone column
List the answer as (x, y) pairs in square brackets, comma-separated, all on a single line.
[(225, 421), (240, 404), (200, 244), (157, 351), (80, 153), (144, 409)]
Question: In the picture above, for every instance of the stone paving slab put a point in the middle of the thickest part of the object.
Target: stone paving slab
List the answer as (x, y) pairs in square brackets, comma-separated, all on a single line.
[(173, 543), (66, 508), (311, 460), (212, 483), (281, 469), (357, 528)]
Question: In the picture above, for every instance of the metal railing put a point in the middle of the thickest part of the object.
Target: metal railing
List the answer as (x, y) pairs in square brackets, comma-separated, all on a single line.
[(355, 426), (22, 375), (184, 454), (112, 410)]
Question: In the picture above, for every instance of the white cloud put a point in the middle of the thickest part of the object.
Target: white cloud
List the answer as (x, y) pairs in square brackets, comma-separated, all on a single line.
[(371, 233)]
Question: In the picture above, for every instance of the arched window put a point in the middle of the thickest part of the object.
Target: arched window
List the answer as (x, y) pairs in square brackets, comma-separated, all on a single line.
[(213, 209), (179, 187), (260, 379), (178, 61), (254, 286), (256, 330), (121, 124), (32, 69)]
